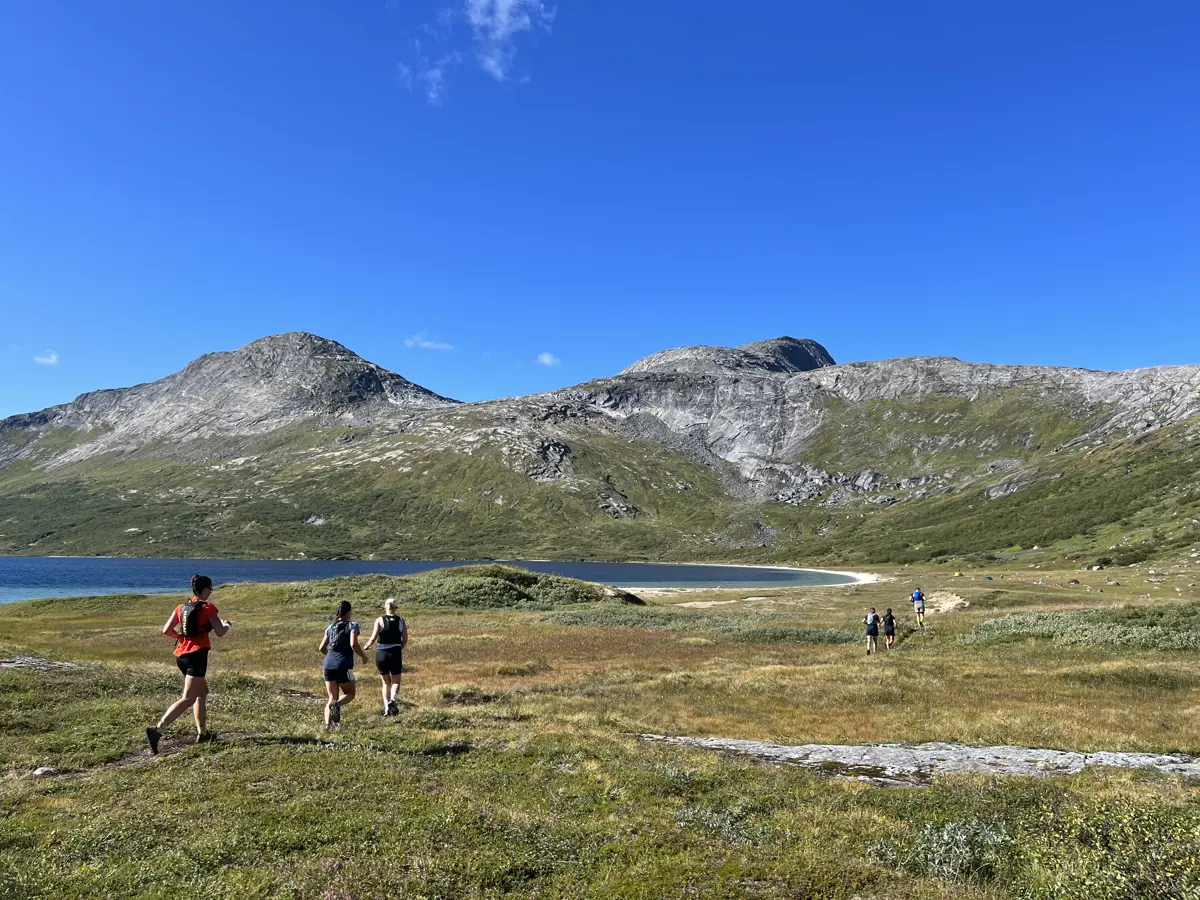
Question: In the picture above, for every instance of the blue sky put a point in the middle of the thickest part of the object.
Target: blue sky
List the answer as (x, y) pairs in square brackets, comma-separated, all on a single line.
[(589, 182)]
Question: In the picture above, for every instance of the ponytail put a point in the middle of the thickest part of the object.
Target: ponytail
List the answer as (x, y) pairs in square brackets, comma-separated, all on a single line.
[(343, 609), (200, 583)]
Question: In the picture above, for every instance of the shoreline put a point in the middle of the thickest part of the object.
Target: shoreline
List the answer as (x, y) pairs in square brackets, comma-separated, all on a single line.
[(732, 583), (858, 578)]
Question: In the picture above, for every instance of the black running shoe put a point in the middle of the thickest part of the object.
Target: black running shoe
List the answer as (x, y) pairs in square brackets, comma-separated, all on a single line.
[(153, 736), (335, 714), (206, 737), (393, 708)]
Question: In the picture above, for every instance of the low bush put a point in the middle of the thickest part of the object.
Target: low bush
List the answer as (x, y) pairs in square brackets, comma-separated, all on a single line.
[(1066, 849), (757, 629), (466, 587), (1166, 627), (1112, 849), (784, 635), (969, 851)]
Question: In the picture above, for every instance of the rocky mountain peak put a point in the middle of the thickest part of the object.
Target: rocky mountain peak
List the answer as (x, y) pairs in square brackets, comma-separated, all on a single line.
[(778, 355), (264, 385), (789, 354)]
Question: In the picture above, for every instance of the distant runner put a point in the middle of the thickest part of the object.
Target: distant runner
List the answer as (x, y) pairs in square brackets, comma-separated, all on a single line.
[(871, 620), (918, 602), (340, 645), (189, 626), (391, 632), (889, 629)]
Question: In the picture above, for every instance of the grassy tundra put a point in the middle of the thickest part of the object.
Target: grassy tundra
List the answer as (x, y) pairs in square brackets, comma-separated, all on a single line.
[(515, 770)]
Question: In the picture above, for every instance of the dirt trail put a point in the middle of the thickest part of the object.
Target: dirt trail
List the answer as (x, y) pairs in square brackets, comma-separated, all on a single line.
[(917, 763)]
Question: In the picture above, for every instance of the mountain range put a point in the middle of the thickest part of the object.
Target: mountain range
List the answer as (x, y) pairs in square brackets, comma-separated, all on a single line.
[(295, 446)]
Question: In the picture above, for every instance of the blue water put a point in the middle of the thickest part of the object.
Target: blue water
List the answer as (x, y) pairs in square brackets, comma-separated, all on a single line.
[(29, 577)]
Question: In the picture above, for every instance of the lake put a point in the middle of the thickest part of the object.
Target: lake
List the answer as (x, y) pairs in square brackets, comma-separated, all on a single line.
[(29, 577)]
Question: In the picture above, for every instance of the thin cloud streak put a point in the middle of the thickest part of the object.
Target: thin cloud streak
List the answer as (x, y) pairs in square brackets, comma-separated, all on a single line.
[(421, 342), (49, 358), (548, 359)]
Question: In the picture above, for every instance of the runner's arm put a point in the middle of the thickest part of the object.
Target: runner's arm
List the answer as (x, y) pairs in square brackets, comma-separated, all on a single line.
[(171, 629), (403, 634), (324, 642), (354, 645), (218, 625), (374, 636)]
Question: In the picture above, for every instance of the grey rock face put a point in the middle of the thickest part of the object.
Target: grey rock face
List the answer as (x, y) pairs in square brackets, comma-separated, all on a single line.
[(265, 385), (551, 461), (1010, 484), (785, 354), (761, 419)]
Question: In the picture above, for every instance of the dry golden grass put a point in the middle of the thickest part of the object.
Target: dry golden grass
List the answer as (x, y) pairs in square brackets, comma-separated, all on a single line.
[(553, 795)]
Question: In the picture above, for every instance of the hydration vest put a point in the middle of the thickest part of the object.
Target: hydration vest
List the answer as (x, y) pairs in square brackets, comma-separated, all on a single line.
[(339, 638), (391, 632), (189, 618)]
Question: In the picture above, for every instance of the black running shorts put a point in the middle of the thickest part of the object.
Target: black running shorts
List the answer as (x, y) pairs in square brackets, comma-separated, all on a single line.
[(194, 663), (338, 676), (388, 660)]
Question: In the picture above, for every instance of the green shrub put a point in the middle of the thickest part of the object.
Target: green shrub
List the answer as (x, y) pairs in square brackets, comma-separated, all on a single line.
[(467, 587), (970, 851), (783, 635), (1162, 627), (1112, 850), (758, 629)]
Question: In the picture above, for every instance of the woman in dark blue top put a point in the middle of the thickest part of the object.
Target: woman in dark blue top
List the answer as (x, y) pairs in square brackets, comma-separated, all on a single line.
[(340, 645)]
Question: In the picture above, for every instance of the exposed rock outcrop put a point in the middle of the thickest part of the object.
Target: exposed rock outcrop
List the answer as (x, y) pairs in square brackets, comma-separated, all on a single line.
[(780, 355), (270, 383)]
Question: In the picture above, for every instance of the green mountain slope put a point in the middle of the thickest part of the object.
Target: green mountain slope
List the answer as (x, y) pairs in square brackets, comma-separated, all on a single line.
[(692, 454)]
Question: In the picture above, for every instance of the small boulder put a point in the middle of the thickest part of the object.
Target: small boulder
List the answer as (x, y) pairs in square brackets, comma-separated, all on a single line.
[(616, 593), (44, 772)]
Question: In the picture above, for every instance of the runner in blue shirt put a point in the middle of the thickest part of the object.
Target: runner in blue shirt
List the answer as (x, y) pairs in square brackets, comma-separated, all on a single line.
[(918, 602)]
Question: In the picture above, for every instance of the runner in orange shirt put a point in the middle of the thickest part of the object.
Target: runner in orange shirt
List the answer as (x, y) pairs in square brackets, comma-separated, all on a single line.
[(189, 625)]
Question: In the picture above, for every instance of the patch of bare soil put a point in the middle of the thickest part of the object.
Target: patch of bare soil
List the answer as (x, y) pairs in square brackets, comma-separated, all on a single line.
[(944, 601)]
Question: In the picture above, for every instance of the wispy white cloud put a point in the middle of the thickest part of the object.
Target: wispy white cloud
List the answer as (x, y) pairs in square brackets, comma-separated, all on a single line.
[(434, 78), (421, 342), (49, 358), (548, 359), (494, 26), (431, 76), (496, 23)]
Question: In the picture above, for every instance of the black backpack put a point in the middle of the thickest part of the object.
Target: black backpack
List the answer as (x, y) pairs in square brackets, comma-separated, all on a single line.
[(189, 618), (339, 638), (391, 632)]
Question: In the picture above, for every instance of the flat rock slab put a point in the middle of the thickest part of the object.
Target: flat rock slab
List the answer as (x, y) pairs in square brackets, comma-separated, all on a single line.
[(917, 763), (38, 663)]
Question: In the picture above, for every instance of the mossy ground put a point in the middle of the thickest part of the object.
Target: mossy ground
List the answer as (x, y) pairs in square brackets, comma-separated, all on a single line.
[(514, 770)]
